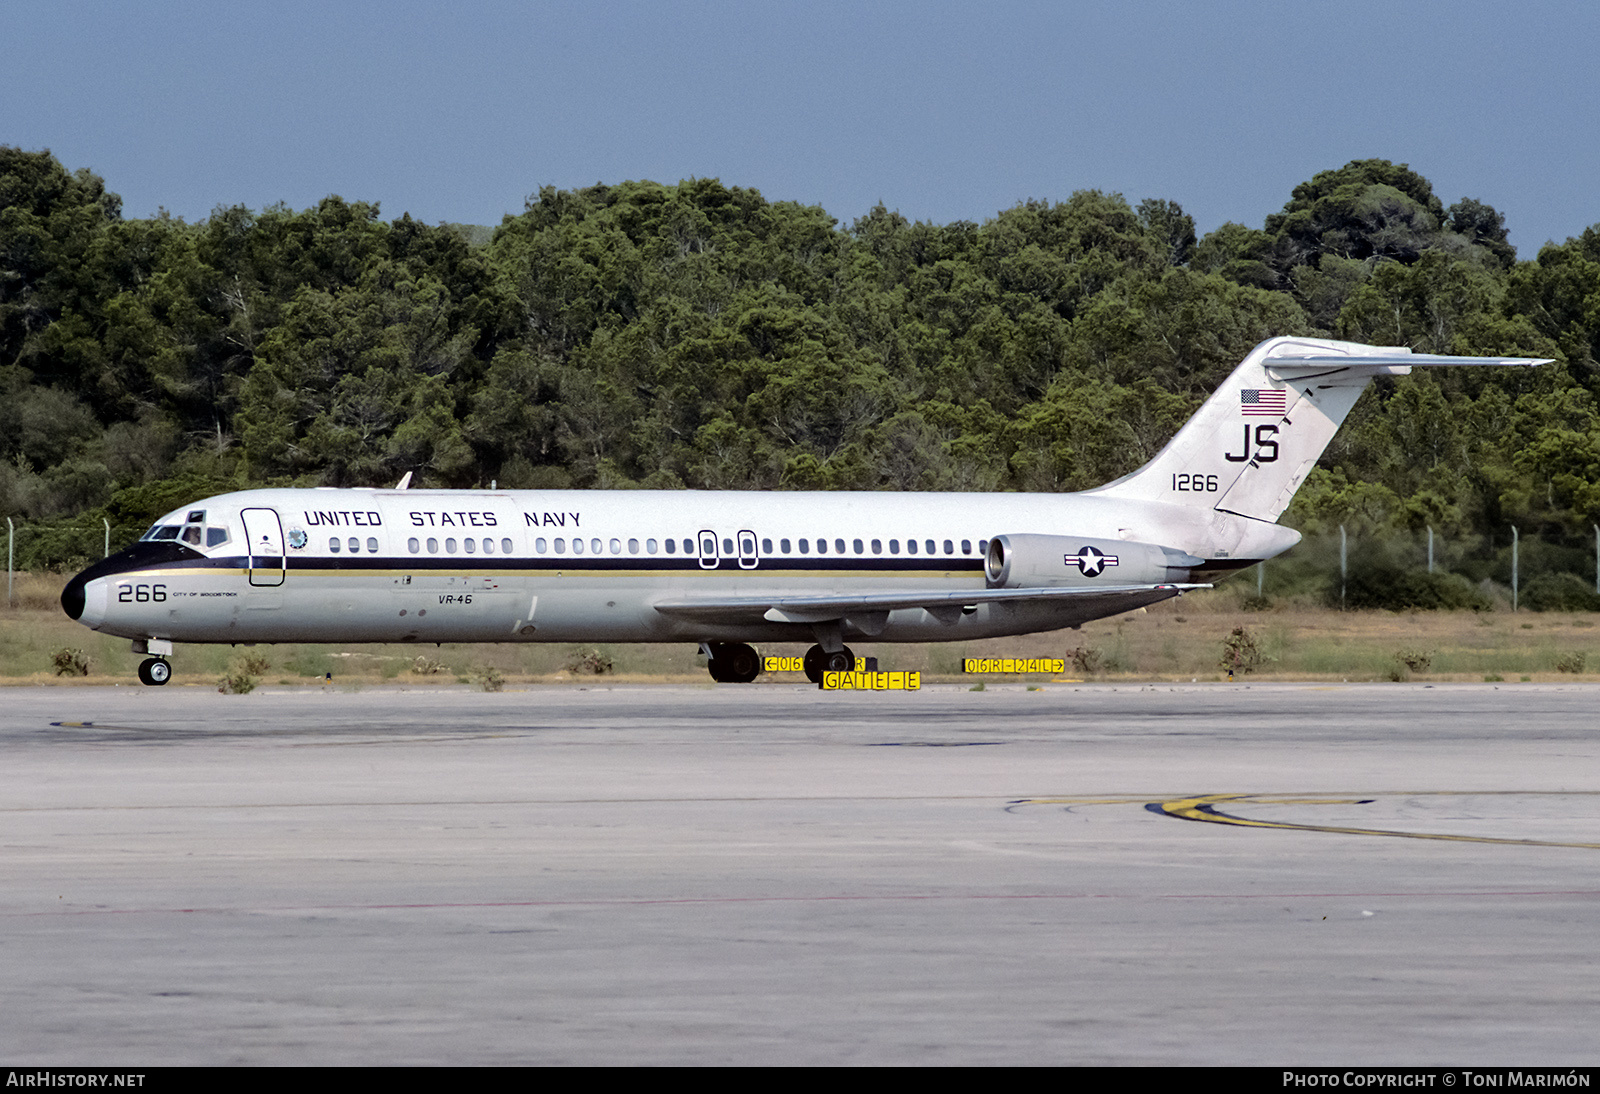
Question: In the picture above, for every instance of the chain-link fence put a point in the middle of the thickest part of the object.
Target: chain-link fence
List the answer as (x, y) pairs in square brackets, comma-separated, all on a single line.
[(63, 545), (1428, 570)]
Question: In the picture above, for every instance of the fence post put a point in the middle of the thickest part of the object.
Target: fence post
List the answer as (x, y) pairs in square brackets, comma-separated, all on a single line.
[(107, 523), (1344, 570), (10, 555), (1261, 578), (1430, 548), (1514, 542)]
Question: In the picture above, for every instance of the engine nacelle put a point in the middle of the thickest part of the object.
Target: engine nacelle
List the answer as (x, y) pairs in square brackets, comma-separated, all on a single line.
[(1033, 561)]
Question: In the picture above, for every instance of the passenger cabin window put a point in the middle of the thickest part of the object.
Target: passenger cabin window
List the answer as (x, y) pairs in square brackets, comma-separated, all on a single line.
[(822, 546), (838, 546), (506, 546), (966, 546), (355, 545), (471, 545), (949, 548), (672, 545), (650, 546), (412, 545), (433, 546), (333, 544), (784, 545)]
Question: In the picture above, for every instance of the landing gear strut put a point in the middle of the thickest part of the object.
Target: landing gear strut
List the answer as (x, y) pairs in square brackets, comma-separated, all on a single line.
[(154, 671), (733, 663), (819, 661)]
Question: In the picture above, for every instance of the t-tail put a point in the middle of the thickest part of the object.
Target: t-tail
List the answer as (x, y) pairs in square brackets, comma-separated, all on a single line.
[(1248, 449)]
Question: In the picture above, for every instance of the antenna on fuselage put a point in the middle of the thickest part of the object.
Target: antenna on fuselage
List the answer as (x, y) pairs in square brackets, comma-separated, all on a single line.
[(405, 481)]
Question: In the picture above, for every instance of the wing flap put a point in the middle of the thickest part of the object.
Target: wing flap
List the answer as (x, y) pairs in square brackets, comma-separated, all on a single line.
[(941, 603)]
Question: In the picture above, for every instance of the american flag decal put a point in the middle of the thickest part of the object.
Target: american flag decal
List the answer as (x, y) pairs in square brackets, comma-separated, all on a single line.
[(1266, 402)]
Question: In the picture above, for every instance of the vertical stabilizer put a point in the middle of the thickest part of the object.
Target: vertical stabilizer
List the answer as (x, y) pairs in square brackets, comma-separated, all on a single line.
[(1251, 444)]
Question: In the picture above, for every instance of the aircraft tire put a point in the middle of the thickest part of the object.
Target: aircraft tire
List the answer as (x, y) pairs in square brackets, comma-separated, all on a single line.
[(154, 672), (843, 661), (819, 661), (733, 663), (813, 664)]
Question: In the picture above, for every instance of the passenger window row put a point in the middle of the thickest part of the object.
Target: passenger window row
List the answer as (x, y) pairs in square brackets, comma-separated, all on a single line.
[(469, 545), (598, 546), (355, 545)]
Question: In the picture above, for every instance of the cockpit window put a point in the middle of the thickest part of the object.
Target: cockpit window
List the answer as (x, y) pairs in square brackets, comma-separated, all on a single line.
[(191, 535), (162, 531), (216, 537)]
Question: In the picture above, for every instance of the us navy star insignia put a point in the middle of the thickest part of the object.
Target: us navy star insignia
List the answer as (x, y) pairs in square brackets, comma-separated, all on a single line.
[(1090, 562)]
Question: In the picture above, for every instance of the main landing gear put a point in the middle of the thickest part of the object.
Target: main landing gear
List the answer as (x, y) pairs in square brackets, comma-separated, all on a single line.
[(819, 661), (154, 671), (733, 662), (737, 663)]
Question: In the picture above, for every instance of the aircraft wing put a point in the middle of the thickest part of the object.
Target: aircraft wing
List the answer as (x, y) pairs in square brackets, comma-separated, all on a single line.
[(942, 604)]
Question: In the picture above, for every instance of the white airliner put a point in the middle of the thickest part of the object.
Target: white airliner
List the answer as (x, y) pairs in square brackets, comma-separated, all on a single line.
[(728, 568)]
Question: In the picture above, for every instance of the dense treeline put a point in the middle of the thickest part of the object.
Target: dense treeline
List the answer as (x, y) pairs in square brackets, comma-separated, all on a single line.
[(699, 335)]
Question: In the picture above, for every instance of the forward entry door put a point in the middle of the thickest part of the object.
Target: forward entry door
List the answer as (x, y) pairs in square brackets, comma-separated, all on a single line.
[(265, 534)]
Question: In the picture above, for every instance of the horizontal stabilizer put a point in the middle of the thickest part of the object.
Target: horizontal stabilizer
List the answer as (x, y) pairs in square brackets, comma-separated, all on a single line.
[(1400, 362)]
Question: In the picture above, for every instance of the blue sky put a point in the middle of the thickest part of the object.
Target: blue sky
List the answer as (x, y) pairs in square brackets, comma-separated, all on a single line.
[(457, 112)]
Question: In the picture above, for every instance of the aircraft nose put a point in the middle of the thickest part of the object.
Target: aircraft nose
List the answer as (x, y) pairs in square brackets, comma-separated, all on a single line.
[(85, 600), (72, 597), (85, 597)]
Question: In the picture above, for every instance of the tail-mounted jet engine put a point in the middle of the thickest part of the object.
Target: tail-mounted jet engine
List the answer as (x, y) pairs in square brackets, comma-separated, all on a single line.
[(1033, 561)]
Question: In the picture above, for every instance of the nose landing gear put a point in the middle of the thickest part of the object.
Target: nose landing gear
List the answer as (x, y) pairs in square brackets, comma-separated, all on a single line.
[(154, 671)]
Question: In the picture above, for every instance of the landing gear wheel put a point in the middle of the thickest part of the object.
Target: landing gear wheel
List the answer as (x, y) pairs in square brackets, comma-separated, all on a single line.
[(817, 662), (733, 663), (154, 672)]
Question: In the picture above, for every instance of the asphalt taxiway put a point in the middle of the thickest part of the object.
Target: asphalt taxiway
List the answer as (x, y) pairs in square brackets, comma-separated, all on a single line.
[(1278, 874)]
